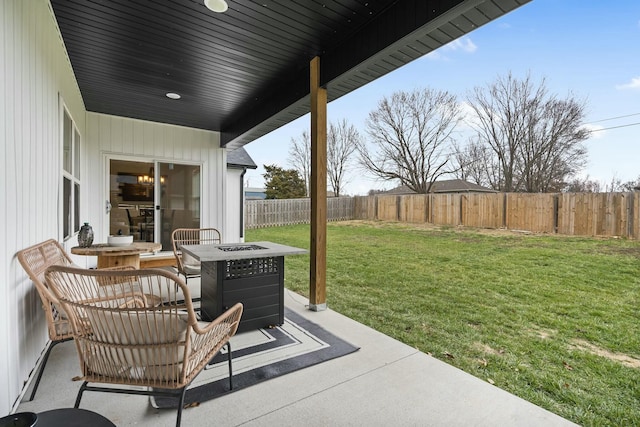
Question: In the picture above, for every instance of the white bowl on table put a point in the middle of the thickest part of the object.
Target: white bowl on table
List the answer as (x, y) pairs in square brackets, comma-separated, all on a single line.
[(120, 240)]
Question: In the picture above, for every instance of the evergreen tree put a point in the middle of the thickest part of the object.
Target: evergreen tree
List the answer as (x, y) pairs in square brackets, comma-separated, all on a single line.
[(283, 183)]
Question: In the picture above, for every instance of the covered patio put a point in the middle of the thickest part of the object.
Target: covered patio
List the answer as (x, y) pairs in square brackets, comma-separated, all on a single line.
[(170, 81)]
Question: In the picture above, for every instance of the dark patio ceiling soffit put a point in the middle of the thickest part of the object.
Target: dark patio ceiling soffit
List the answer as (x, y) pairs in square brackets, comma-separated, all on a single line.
[(245, 72)]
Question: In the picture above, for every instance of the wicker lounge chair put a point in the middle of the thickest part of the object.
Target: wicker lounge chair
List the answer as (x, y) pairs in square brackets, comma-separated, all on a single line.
[(162, 348), (188, 266), (35, 260)]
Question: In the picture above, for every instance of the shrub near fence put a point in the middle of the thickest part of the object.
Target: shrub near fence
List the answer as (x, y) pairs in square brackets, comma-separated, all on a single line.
[(581, 214)]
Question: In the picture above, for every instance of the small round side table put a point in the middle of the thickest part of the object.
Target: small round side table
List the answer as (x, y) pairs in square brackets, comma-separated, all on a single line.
[(72, 417)]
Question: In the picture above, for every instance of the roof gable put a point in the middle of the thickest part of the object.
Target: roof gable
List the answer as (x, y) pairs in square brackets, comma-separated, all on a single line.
[(241, 159)]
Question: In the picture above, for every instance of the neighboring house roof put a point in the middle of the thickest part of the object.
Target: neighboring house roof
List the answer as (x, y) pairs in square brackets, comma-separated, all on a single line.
[(446, 186), (459, 186), (239, 158)]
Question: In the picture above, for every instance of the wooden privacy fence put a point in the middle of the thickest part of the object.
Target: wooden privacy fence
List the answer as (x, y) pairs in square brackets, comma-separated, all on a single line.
[(599, 214), (275, 212), (530, 212), (580, 214)]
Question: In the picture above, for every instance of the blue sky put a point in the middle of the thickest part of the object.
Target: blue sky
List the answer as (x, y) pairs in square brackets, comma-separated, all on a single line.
[(586, 48)]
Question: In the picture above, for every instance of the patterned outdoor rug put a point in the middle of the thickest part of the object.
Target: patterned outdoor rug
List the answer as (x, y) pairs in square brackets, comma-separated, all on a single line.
[(261, 355)]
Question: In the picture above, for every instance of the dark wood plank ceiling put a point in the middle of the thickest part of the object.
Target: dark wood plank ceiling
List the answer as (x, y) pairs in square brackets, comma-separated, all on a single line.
[(245, 72)]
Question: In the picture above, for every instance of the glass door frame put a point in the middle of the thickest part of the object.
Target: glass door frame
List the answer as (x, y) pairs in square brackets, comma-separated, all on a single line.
[(157, 189), (179, 206)]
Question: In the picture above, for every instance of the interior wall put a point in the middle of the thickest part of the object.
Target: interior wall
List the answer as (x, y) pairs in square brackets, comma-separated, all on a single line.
[(34, 70)]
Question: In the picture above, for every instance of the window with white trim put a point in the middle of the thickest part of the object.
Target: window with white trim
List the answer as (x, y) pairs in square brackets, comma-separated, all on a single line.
[(70, 176)]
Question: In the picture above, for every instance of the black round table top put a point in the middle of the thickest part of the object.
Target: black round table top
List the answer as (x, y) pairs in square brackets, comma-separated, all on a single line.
[(72, 417)]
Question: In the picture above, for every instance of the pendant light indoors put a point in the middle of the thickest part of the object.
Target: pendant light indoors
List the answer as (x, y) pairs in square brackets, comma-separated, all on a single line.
[(218, 6)]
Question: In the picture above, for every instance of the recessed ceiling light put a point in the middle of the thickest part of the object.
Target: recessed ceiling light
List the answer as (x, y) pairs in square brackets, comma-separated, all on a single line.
[(218, 6), (173, 95)]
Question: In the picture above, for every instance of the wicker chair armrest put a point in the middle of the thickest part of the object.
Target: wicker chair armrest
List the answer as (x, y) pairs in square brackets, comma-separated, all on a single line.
[(216, 333), (230, 317), (179, 263)]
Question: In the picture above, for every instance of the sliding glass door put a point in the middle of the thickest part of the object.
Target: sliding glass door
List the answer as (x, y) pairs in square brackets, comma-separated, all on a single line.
[(179, 199), (143, 195)]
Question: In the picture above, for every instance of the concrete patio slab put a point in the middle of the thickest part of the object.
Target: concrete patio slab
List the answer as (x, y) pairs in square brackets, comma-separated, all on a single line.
[(384, 383)]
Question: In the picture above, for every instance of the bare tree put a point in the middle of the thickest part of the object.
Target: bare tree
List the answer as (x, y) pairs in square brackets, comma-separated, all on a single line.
[(342, 141), (535, 136), (554, 149), (409, 136), (300, 157), (477, 164), (582, 185), (631, 185), (616, 185)]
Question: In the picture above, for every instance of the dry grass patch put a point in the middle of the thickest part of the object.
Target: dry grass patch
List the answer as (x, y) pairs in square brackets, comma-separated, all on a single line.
[(625, 359), (487, 349), (543, 334)]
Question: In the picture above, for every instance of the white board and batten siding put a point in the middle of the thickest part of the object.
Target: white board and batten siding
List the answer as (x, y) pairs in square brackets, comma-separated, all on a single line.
[(34, 74), (234, 230)]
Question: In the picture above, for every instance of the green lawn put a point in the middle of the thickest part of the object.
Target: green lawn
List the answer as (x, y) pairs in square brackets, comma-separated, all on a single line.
[(552, 319)]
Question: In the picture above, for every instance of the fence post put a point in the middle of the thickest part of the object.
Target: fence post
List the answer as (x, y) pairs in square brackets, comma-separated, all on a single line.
[(375, 207), (504, 210), (555, 214), (636, 215), (631, 224)]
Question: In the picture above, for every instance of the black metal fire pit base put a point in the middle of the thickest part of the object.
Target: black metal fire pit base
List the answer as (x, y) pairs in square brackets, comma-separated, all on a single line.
[(258, 283)]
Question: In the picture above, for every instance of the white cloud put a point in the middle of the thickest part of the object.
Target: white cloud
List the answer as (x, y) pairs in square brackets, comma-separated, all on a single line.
[(464, 43), (633, 85), (435, 55)]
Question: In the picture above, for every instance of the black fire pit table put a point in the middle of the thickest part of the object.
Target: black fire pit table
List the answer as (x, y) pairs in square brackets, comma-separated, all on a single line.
[(250, 273)]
